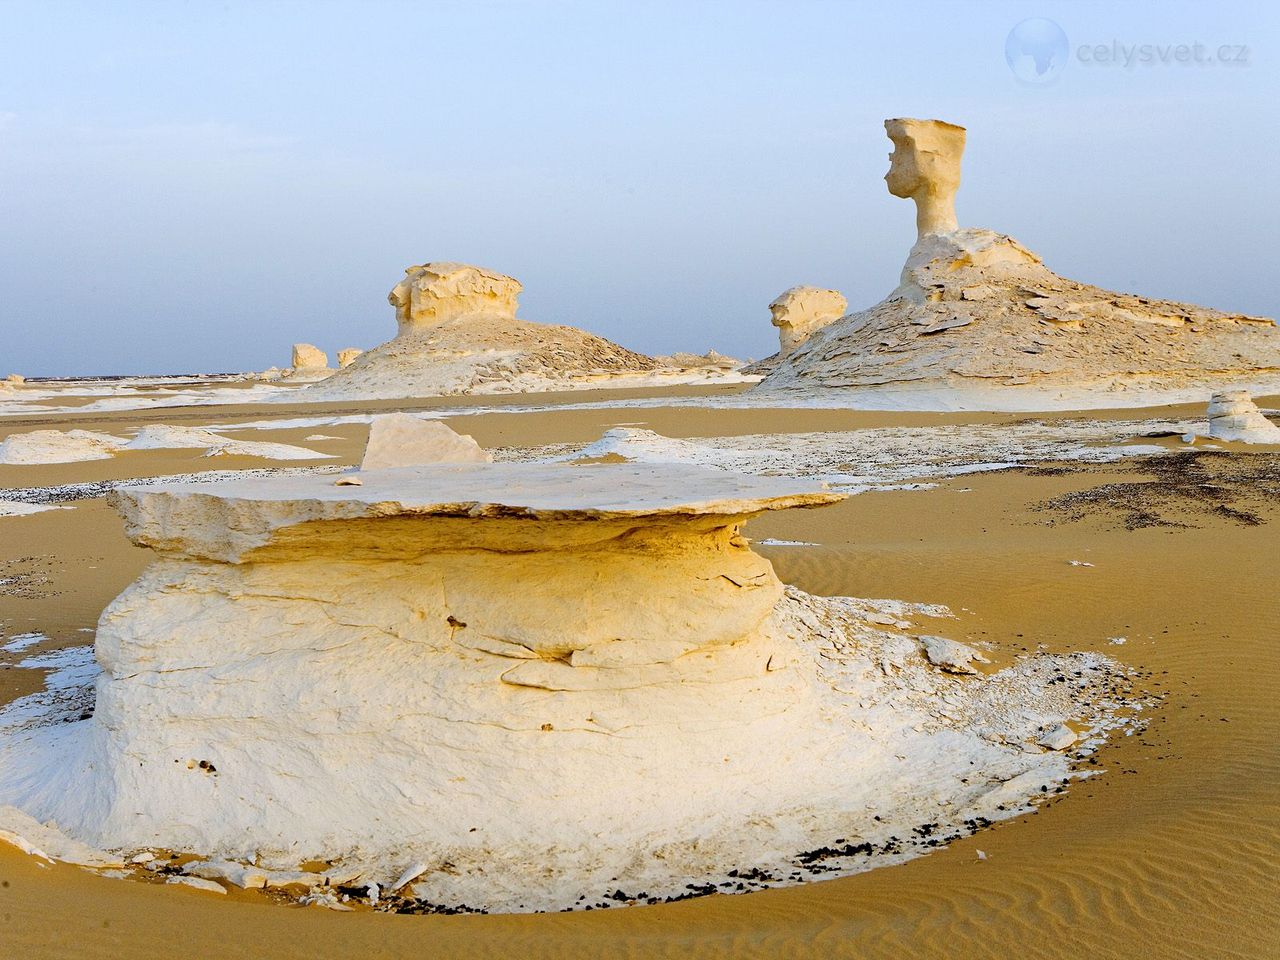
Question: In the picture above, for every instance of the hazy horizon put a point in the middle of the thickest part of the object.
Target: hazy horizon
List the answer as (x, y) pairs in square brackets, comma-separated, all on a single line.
[(195, 188)]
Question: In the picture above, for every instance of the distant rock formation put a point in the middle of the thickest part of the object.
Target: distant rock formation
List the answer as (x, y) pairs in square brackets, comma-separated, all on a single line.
[(348, 356), (1234, 416), (711, 360), (310, 364), (979, 322), (798, 313), (435, 293), (458, 333), (307, 357)]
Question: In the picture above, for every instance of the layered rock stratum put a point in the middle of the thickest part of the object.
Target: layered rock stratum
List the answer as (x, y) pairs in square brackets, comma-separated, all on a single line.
[(979, 322), (1234, 416)]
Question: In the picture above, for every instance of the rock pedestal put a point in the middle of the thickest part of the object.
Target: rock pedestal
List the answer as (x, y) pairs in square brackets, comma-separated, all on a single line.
[(518, 687)]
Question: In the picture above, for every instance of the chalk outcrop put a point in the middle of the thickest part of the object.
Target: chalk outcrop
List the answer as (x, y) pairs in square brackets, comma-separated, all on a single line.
[(435, 293), (515, 686), (308, 357), (458, 333), (979, 322), (800, 311), (309, 365), (399, 440), (348, 356), (1234, 416)]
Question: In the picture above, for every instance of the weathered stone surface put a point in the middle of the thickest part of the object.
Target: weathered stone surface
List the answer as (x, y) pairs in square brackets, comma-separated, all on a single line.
[(514, 686), (979, 322), (951, 655), (1234, 416), (308, 357), (798, 312), (400, 440), (348, 356), (1058, 737), (925, 167), (458, 334), (433, 293)]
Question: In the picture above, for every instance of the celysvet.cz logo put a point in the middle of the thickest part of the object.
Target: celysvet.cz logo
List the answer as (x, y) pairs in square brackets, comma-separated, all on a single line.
[(1038, 51)]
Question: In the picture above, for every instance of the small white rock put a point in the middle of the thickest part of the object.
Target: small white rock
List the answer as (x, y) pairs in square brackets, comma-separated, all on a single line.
[(411, 873), (950, 655), (198, 883), (1059, 738)]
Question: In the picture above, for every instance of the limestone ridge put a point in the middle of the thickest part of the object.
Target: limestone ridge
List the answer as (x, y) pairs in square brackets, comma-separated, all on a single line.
[(458, 333), (978, 321)]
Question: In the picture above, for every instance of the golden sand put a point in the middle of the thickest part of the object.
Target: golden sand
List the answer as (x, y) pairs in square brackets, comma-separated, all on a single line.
[(1170, 852)]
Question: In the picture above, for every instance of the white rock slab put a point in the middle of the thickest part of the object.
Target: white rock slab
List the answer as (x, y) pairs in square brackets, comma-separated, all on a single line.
[(400, 440)]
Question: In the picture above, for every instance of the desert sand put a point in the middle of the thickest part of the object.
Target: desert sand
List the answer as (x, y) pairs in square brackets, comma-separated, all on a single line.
[(1104, 532)]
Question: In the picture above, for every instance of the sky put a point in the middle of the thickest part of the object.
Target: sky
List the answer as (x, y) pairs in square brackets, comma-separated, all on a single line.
[(193, 187)]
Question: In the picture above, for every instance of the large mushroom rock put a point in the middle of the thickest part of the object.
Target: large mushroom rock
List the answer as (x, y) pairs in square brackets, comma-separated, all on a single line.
[(979, 322), (458, 334), (1234, 416), (523, 684)]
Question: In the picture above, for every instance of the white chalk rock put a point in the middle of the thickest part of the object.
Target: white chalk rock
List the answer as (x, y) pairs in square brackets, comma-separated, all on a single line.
[(308, 357), (401, 440), (950, 655), (198, 883), (57, 446), (536, 682), (458, 333), (800, 311), (348, 356), (1234, 416), (1058, 738), (979, 322), (247, 878)]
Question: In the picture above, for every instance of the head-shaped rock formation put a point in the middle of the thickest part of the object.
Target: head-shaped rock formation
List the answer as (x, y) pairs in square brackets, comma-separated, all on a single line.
[(925, 167), (800, 311), (434, 293)]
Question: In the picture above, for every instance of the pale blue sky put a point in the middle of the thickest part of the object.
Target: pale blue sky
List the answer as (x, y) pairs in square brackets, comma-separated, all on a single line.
[(195, 186)]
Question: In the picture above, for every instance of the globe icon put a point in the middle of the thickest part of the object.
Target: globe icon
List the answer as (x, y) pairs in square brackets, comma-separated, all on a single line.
[(1036, 50)]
